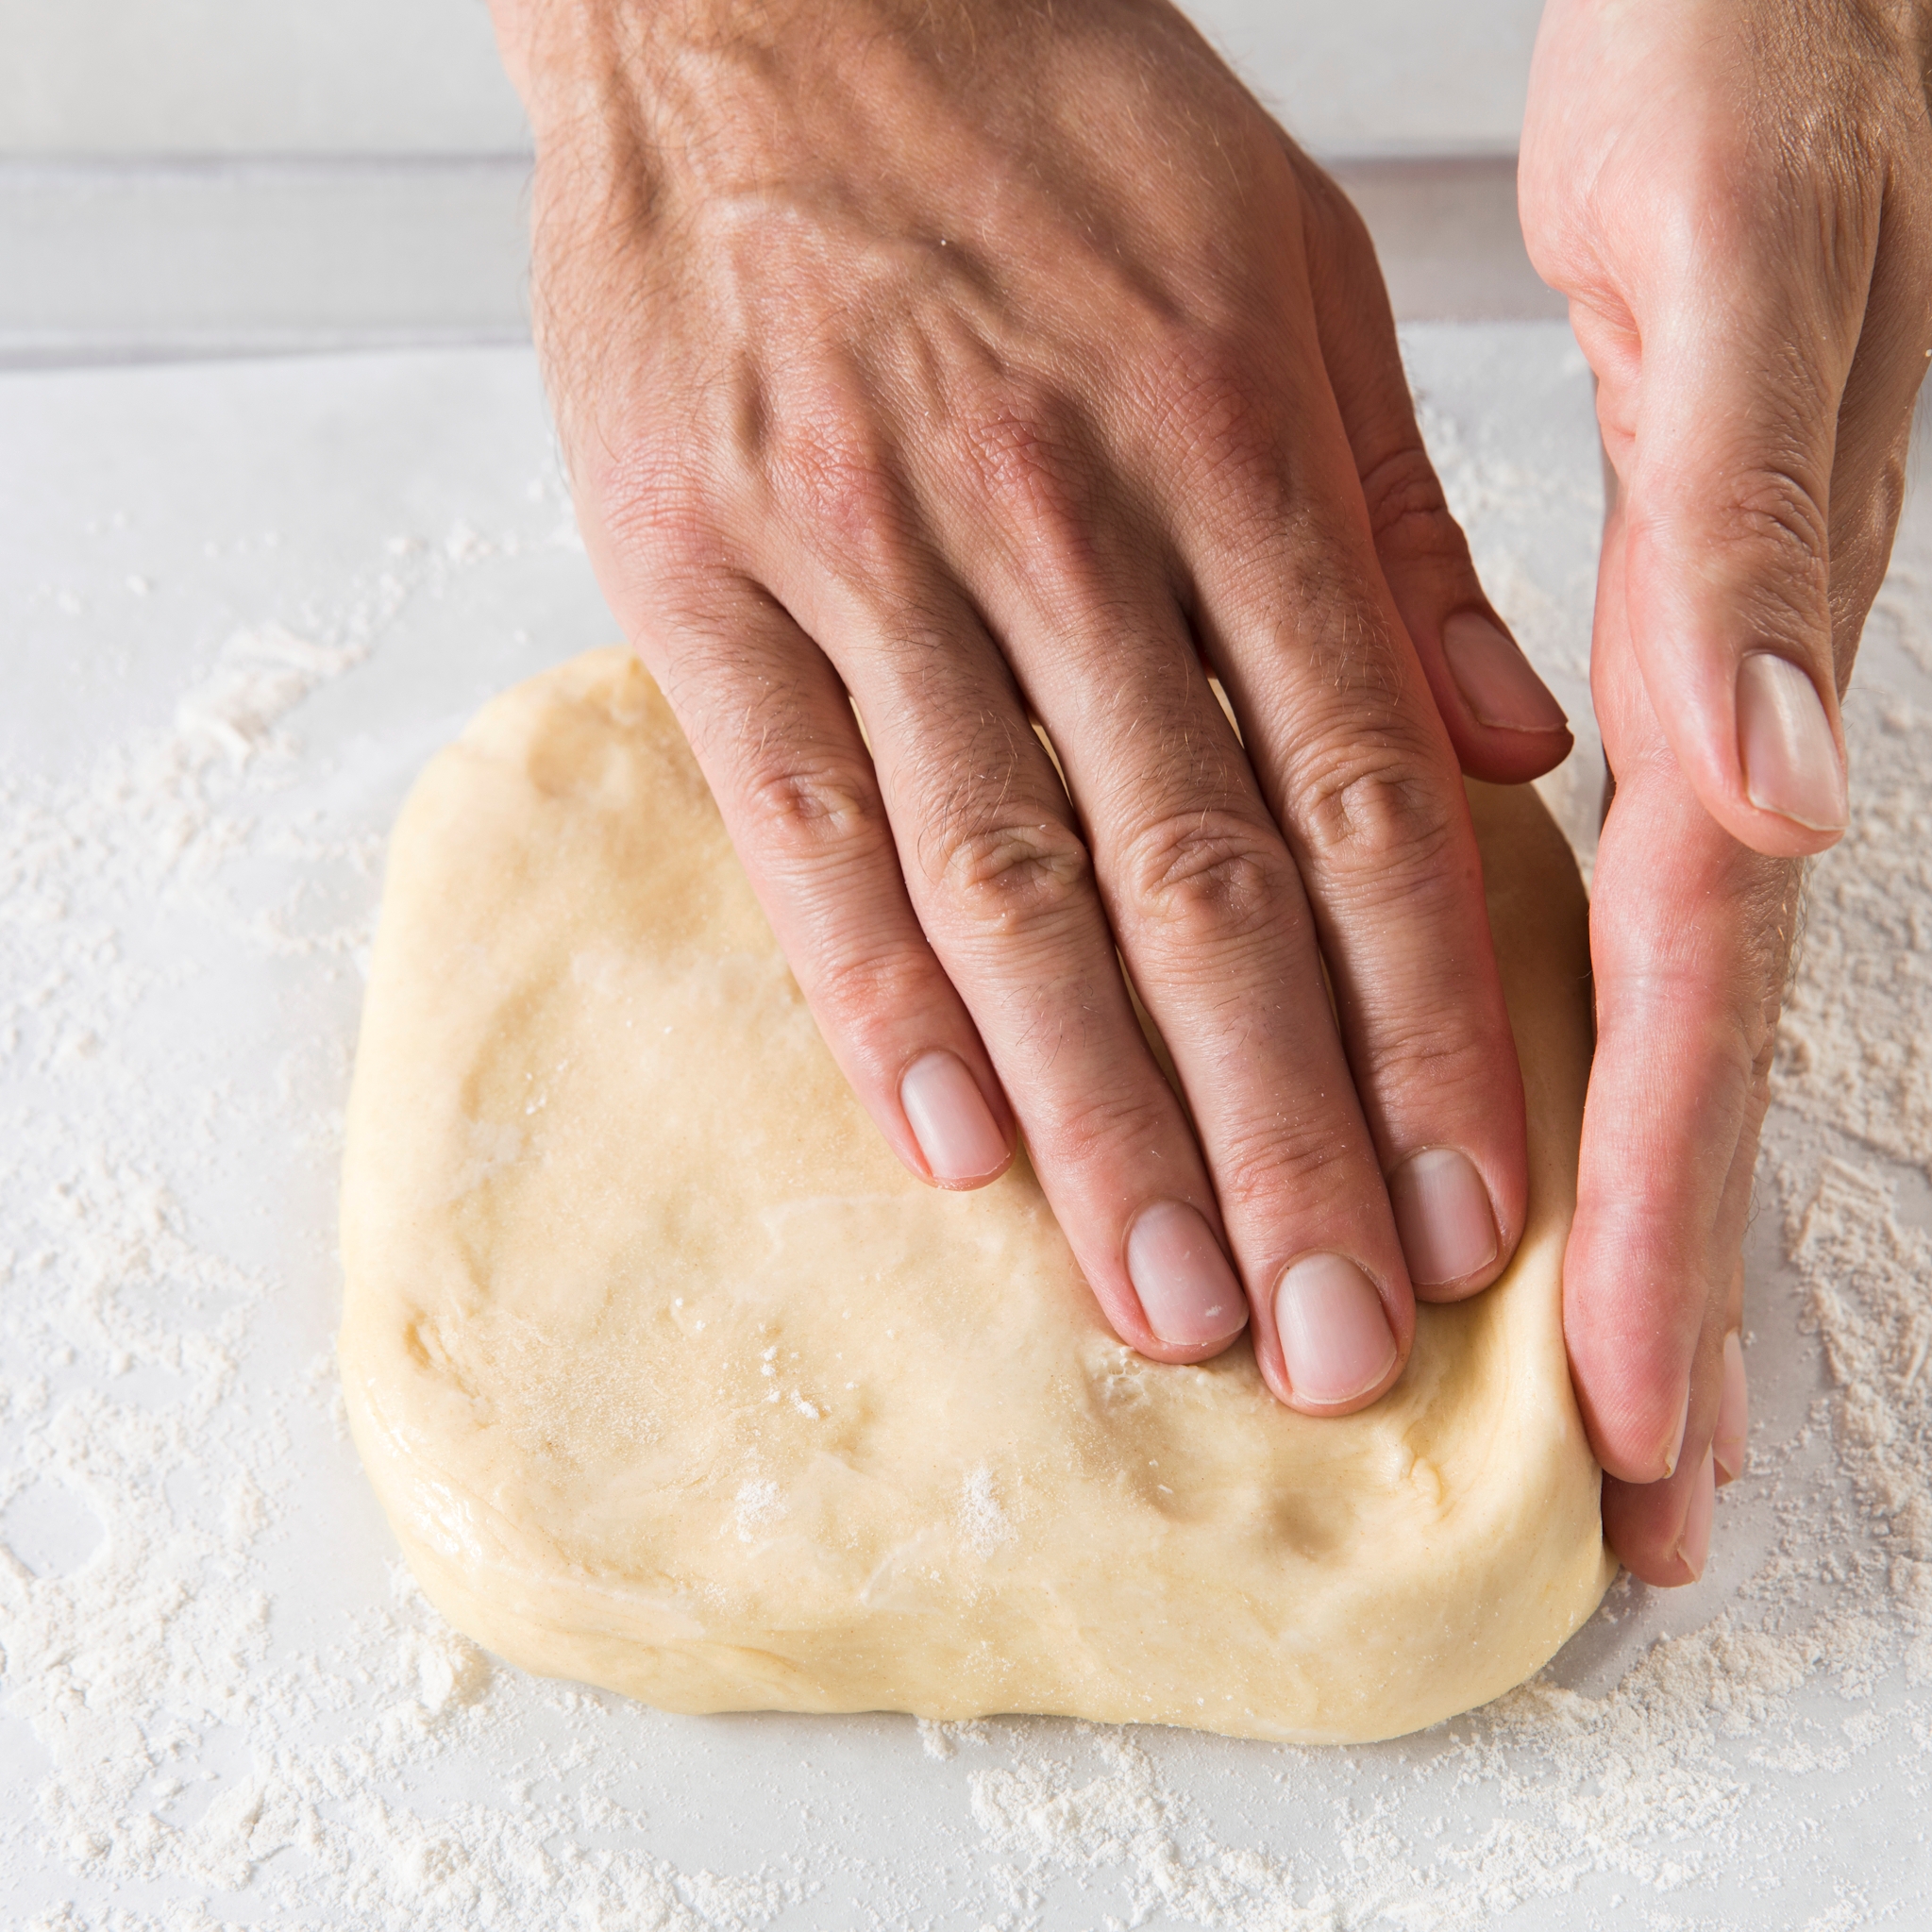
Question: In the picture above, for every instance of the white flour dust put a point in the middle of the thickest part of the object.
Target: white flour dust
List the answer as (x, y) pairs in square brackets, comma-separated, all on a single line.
[(224, 1702)]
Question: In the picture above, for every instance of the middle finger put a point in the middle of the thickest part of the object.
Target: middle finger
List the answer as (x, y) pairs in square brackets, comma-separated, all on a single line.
[(1204, 901)]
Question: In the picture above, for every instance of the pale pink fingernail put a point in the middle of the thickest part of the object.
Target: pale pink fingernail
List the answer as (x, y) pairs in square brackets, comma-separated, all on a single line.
[(950, 1121), (1694, 1544), (1495, 677), (1442, 1214), (1792, 763), (1187, 1291), (1671, 1447), (1334, 1337), (1734, 1414)]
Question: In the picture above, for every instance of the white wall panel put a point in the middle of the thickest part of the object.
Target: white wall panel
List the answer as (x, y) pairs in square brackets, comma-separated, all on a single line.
[(252, 77), (420, 77)]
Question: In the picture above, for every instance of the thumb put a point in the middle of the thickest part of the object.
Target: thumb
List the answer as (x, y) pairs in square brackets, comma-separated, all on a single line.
[(1725, 475)]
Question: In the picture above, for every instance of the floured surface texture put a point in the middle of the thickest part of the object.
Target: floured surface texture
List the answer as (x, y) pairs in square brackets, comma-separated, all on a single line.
[(222, 1698), (672, 1381)]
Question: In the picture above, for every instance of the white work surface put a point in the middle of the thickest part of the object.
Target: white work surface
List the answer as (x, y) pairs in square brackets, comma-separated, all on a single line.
[(239, 606)]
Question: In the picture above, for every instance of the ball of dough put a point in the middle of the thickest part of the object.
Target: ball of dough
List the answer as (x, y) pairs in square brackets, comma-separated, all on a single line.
[(671, 1380)]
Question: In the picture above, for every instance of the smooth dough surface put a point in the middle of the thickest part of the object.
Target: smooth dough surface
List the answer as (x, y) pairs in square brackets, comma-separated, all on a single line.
[(671, 1380)]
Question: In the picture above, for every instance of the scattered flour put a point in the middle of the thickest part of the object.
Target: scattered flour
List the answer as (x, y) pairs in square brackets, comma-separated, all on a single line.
[(206, 1731), (757, 1507), (263, 674), (984, 1522)]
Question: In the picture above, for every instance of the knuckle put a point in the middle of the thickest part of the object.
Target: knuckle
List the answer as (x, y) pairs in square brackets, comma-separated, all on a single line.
[(1264, 1172), (1445, 1055), (1408, 515), (1215, 410), (1657, 970), (855, 987), (1012, 871), (660, 505), (808, 807), (1375, 809), (1024, 455), (1100, 1133), (833, 479), (1205, 876), (1774, 511)]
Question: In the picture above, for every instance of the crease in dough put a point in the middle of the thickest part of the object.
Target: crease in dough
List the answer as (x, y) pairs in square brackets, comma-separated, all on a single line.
[(671, 1381)]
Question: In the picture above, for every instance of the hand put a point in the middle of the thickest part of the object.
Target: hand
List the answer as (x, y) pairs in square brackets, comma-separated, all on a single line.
[(1737, 198), (996, 362)]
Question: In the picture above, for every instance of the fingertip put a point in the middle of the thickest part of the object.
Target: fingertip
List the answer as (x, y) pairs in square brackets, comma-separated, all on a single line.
[(1446, 1224), (951, 1122), (1505, 721), (1340, 1351), (1661, 1532), (1640, 1440), (1191, 1297), (1693, 1543), (1513, 758), (1498, 685), (1182, 1354), (1729, 1439), (1793, 770), (969, 1184)]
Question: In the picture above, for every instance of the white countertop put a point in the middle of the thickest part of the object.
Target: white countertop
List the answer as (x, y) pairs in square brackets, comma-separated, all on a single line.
[(239, 605)]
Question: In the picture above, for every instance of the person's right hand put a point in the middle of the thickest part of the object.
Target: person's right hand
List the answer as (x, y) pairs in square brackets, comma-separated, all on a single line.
[(996, 362)]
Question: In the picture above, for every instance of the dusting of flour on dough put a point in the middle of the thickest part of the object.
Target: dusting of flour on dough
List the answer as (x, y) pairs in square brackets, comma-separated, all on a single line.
[(981, 1517), (755, 1508)]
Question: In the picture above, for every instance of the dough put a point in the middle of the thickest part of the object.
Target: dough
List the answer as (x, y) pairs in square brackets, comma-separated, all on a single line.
[(671, 1380)]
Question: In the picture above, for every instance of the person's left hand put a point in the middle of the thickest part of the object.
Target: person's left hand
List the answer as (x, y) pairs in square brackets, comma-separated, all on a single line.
[(1737, 198)]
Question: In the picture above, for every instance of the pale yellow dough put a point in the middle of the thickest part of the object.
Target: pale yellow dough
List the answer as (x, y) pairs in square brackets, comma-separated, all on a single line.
[(671, 1380)]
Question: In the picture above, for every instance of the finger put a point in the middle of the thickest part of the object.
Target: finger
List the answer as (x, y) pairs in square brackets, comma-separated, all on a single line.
[(1357, 769), (1662, 1531), (1204, 901), (1725, 447), (773, 734), (1689, 968), (1502, 718), (1001, 881)]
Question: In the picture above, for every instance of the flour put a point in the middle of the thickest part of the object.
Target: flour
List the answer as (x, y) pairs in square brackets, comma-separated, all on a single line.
[(980, 1515), (264, 675), (223, 1702), (757, 1507)]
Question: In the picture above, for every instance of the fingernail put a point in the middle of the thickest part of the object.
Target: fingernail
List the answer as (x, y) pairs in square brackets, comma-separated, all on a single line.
[(1694, 1544), (1334, 1335), (1442, 1214), (1734, 1414), (951, 1119), (1673, 1445), (1790, 762), (1495, 677), (1187, 1291)]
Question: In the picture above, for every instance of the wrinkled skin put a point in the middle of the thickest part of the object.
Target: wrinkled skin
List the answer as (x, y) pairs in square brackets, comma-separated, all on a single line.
[(962, 365)]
